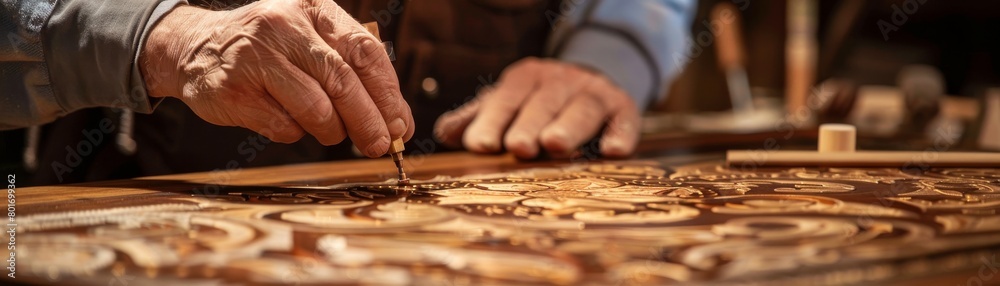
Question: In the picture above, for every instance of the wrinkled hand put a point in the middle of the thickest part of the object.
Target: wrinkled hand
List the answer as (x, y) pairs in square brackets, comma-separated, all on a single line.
[(545, 104), (281, 68)]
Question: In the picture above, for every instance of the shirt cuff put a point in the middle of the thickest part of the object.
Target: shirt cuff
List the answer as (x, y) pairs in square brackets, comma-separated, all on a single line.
[(138, 83), (614, 56), (91, 49)]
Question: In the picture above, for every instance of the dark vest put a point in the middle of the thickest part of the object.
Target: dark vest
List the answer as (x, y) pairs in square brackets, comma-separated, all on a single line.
[(446, 51), (449, 49)]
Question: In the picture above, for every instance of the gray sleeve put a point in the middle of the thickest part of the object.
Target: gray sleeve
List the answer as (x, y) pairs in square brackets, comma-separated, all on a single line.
[(25, 92), (62, 56), (634, 43)]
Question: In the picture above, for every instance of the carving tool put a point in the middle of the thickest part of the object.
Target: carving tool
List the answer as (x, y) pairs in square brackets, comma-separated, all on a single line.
[(396, 147), (396, 151)]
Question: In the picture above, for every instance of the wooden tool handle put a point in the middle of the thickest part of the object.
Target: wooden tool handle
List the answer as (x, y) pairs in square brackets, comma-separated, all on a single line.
[(730, 42), (372, 27)]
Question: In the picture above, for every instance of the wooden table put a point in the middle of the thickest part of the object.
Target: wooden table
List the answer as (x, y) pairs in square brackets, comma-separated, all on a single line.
[(496, 220)]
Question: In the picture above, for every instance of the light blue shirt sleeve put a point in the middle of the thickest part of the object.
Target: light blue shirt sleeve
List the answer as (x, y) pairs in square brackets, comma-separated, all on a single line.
[(632, 42)]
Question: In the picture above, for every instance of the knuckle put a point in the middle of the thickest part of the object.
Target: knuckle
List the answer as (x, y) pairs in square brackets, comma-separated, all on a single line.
[(556, 73), (307, 4), (368, 131), (339, 83), (503, 105), (386, 101), (313, 112), (343, 92), (608, 94), (266, 17), (362, 48), (617, 99), (321, 58), (530, 63), (545, 107), (593, 109)]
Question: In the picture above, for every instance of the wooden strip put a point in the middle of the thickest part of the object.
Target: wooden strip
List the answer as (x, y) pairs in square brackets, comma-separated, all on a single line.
[(896, 159)]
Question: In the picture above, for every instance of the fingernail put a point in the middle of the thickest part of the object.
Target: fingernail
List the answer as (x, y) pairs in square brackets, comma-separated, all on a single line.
[(489, 145), (614, 147), (521, 146), (555, 139), (559, 134), (517, 141), (397, 128), (379, 147)]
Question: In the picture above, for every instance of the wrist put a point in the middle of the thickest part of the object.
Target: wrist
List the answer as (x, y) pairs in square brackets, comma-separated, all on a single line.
[(167, 44)]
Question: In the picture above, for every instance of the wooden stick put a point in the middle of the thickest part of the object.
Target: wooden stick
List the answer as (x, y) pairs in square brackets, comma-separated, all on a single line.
[(732, 57), (800, 53), (896, 159)]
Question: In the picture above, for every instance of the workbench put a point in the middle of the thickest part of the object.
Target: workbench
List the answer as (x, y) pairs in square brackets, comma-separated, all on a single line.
[(493, 220)]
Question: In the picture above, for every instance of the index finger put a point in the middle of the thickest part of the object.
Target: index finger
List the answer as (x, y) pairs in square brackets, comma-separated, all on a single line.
[(500, 104), (366, 55)]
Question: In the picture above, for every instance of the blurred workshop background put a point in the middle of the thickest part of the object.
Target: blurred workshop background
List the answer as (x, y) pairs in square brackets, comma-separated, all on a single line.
[(918, 72), (910, 74)]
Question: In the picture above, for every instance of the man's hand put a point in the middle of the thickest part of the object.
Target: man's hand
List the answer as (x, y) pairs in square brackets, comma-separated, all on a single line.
[(281, 68), (545, 104)]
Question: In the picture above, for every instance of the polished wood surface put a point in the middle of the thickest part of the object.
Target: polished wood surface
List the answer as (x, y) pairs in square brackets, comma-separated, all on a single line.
[(311, 173), (493, 219)]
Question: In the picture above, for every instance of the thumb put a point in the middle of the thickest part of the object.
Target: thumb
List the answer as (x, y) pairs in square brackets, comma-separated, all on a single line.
[(450, 127)]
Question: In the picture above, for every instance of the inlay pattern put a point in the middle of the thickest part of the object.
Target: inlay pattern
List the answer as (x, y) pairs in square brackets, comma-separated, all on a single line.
[(600, 224)]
